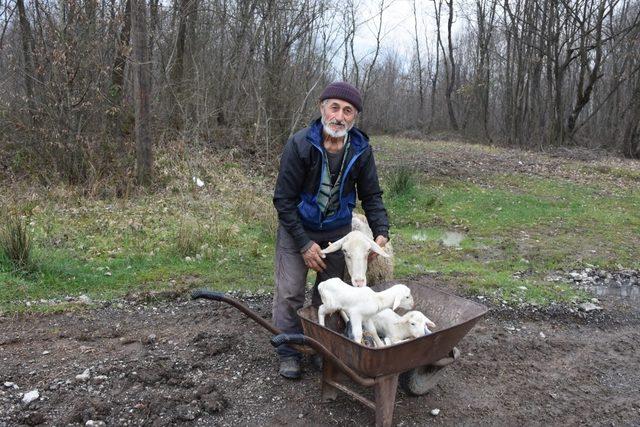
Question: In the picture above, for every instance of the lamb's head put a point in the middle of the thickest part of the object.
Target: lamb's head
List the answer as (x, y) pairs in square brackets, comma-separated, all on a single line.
[(418, 324), (402, 297), (356, 247)]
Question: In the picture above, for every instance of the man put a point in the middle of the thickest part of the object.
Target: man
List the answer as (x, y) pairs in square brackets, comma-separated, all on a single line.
[(322, 168)]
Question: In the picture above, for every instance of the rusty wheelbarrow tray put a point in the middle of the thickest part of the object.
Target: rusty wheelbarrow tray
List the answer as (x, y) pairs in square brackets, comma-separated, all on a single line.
[(379, 368)]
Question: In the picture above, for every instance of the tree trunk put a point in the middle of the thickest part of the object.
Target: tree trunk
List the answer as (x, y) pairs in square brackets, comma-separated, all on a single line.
[(141, 83), (117, 75), (451, 74), (419, 70), (27, 51)]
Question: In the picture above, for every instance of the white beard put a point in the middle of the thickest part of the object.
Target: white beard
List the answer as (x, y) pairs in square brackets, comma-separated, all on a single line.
[(332, 133)]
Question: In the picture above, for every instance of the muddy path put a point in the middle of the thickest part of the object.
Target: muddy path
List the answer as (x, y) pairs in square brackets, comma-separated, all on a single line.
[(183, 362)]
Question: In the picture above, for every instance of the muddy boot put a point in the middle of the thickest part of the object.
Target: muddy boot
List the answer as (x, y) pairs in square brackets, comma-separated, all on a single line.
[(290, 367)]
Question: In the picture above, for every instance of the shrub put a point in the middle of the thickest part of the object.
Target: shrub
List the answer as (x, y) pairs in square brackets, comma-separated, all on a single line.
[(189, 238), (15, 243), (401, 181)]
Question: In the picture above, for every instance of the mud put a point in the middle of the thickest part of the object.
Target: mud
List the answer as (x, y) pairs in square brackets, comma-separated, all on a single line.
[(183, 362)]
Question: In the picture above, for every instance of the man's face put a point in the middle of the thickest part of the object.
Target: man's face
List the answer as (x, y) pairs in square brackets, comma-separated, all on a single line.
[(338, 117)]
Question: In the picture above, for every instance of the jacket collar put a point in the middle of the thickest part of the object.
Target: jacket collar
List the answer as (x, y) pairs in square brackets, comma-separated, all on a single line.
[(359, 140)]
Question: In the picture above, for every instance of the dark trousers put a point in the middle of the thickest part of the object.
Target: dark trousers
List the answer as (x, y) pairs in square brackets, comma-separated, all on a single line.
[(291, 278)]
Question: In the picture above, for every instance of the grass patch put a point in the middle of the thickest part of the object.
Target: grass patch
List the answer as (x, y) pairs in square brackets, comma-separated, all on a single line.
[(401, 182), (15, 244), (514, 230)]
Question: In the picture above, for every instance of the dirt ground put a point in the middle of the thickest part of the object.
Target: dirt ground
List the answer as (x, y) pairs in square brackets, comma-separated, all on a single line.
[(168, 360), (175, 361)]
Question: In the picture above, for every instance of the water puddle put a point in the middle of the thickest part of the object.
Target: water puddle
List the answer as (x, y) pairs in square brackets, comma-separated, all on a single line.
[(420, 237), (630, 292), (452, 239)]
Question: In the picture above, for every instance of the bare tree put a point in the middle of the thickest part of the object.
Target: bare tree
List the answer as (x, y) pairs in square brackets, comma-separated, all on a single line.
[(418, 69), (27, 52), (141, 81)]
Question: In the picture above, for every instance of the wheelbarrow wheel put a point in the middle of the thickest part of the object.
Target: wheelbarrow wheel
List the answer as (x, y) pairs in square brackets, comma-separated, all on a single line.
[(421, 380)]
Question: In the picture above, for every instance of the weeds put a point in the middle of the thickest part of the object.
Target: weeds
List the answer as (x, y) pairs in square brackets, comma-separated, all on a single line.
[(15, 243), (402, 181), (189, 238)]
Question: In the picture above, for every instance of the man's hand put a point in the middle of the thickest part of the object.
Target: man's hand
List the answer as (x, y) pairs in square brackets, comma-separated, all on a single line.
[(381, 241), (313, 258)]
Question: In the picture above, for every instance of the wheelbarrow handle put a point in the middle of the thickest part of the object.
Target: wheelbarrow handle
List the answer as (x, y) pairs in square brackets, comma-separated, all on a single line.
[(278, 340), (204, 293), (301, 339), (220, 296)]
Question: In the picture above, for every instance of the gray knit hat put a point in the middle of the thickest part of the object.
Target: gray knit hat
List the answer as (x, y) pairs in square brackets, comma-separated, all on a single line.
[(344, 91)]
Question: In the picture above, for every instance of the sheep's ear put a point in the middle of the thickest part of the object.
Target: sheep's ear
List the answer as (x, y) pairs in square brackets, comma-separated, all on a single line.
[(377, 249), (430, 324), (335, 246), (396, 302)]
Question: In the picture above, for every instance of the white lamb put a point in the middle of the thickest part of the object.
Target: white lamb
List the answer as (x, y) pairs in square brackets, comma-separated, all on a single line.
[(356, 247), (395, 328), (359, 304)]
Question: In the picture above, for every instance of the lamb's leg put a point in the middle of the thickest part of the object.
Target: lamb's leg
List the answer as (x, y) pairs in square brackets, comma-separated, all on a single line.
[(356, 328), (370, 327), (322, 311), (344, 316)]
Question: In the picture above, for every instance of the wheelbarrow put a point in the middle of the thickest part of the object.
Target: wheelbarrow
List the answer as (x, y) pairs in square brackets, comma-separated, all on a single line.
[(417, 363)]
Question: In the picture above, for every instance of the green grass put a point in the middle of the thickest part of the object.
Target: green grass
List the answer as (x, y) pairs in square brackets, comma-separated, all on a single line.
[(517, 229), (513, 224)]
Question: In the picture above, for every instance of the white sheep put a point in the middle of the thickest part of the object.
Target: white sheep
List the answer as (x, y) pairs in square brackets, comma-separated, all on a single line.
[(359, 304), (356, 247), (395, 328)]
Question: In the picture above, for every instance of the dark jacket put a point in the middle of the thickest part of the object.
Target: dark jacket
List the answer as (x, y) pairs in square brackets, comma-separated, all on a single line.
[(298, 184)]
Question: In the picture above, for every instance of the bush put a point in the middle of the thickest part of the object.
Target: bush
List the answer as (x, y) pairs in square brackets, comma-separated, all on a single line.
[(15, 243), (189, 238), (401, 181)]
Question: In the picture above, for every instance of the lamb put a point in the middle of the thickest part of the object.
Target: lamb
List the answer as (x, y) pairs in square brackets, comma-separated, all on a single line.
[(356, 247), (359, 304), (395, 328)]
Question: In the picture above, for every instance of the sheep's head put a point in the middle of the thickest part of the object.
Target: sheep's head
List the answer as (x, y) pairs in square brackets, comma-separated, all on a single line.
[(356, 247), (418, 324), (403, 298)]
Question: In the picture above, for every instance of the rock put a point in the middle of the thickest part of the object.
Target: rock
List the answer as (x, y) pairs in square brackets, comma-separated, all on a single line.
[(100, 378), (213, 402), (83, 376), (9, 384), (542, 335), (95, 423), (83, 299), (186, 413), (34, 419), (589, 306), (30, 396), (435, 412), (576, 276)]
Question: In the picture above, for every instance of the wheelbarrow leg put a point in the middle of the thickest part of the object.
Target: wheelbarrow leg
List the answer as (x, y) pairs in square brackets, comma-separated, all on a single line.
[(329, 372), (385, 395)]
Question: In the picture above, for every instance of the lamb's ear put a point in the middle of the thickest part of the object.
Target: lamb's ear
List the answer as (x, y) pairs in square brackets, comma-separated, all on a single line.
[(377, 249), (335, 246), (396, 302), (430, 324)]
